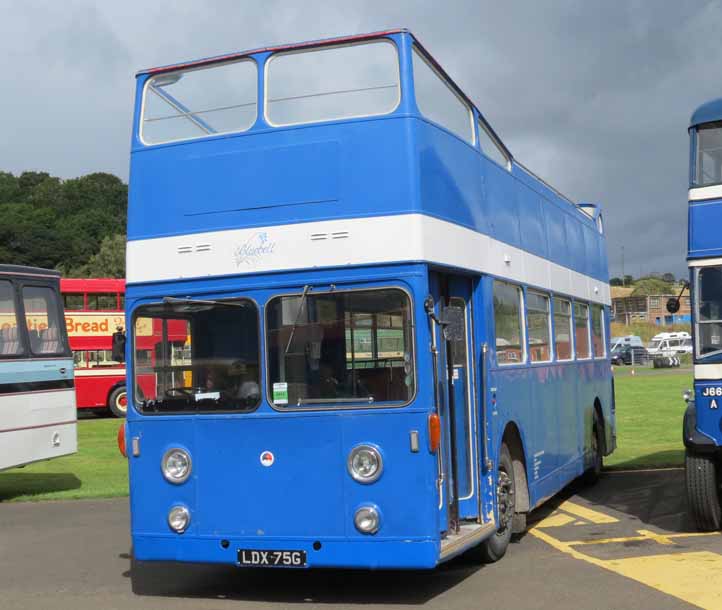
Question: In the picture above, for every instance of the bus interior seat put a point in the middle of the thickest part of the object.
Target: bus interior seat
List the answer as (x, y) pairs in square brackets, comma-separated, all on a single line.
[(9, 343), (49, 342)]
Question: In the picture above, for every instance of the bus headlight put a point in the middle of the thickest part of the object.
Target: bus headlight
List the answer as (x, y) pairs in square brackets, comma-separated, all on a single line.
[(687, 395), (365, 464), (176, 465), (367, 520), (179, 518)]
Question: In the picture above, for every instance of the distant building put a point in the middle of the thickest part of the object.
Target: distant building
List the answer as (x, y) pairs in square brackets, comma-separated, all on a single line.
[(647, 308)]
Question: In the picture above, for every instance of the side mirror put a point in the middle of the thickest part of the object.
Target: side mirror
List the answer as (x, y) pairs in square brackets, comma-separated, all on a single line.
[(452, 321), (673, 305)]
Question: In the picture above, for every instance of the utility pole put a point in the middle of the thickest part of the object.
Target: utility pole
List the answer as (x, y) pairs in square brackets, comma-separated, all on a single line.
[(624, 281)]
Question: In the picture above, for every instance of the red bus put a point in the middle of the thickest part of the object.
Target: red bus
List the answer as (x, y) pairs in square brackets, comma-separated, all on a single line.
[(93, 312)]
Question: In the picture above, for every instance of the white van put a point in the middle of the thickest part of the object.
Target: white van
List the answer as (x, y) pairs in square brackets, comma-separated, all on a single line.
[(620, 342), (665, 344)]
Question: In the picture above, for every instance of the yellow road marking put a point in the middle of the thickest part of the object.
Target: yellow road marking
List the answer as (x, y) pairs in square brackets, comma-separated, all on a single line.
[(644, 535), (586, 513), (689, 576), (556, 520)]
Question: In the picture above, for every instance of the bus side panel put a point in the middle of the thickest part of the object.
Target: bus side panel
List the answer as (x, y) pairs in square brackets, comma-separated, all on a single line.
[(92, 390), (37, 425)]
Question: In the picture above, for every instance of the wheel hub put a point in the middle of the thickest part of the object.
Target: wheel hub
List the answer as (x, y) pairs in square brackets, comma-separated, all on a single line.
[(505, 499)]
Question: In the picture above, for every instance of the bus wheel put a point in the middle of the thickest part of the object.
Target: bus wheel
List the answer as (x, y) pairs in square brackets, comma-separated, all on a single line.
[(591, 476), (703, 481), (118, 402), (494, 548)]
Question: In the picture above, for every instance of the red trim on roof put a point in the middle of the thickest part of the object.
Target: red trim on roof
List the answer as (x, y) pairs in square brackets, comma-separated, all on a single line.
[(91, 285), (299, 45)]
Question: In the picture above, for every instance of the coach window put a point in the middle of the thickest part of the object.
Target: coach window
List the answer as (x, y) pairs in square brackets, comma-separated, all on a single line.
[(709, 311), (563, 329), (508, 323), (537, 307), (41, 312), (439, 101), (598, 331), (581, 330), (9, 340)]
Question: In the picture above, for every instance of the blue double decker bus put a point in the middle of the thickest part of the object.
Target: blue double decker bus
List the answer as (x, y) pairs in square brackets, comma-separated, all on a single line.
[(380, 340), (702, 420)]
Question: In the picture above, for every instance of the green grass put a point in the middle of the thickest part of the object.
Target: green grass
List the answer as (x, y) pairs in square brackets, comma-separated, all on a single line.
[(649, 429), (649, 417), (96, 471)]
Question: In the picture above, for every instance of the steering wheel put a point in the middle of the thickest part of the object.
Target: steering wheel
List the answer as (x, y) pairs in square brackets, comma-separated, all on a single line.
[(183, 391)]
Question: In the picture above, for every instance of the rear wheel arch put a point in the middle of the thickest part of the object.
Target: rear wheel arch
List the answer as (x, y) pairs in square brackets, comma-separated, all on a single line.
[(512, 439)]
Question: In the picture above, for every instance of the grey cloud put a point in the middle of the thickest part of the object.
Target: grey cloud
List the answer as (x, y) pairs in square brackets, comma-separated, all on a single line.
[(595, 97)]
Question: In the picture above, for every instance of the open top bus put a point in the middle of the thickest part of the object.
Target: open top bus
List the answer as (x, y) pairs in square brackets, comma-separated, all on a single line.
[(397, 334)]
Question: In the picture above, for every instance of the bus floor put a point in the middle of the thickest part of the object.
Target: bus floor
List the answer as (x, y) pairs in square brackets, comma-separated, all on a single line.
[(624, 543)]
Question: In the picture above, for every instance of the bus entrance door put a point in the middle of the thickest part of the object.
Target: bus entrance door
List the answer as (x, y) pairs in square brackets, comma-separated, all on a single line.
[(456, 397)]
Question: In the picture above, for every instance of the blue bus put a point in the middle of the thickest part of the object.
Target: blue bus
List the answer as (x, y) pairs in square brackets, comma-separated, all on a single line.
[(702, 421), (381, 340), (37, 396)]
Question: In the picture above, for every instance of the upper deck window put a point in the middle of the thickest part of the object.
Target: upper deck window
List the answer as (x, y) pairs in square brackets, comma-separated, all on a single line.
[(490, 147), (332, 83), (439, 101), (709, 155), (186, 104)]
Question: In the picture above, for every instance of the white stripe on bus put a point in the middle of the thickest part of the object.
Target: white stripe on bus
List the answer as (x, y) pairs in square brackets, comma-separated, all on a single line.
[(356, 241)]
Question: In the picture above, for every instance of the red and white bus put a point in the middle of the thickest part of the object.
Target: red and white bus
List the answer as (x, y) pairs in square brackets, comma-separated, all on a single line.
[(93, 312)]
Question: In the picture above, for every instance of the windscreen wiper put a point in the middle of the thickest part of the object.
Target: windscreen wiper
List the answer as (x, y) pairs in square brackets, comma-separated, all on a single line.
[(306, 288), (222, 303)]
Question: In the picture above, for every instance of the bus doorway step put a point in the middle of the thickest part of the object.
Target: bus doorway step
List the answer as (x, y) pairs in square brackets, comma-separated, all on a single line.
[(469, 534)]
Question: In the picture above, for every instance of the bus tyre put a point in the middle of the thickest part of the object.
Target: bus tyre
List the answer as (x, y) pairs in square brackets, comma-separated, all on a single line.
[(118, 402), (494, 548), (591, 476), (703, 485)]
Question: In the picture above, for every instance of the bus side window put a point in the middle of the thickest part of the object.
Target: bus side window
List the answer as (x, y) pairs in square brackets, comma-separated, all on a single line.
[(563, 329), (508, 307), (41, 311)]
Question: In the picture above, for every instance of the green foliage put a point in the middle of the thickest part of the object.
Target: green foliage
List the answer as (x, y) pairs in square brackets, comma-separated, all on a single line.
[(652, 285), (62, 224), (109, 261)]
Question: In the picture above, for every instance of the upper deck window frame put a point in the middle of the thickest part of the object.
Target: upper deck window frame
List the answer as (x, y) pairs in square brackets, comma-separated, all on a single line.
[(697, 166), (148, 83), (321, 48), (417, 51), (486, 129)]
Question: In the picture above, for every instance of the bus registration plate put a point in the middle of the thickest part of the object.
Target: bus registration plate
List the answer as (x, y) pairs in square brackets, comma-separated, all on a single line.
[(281, 559)]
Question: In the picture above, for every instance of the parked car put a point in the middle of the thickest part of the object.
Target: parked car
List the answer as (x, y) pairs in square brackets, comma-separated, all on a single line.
[(619, 342), (670, 344), (629, 353)]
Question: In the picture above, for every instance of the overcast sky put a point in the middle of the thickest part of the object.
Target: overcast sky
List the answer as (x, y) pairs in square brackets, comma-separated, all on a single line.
[(594, 97)]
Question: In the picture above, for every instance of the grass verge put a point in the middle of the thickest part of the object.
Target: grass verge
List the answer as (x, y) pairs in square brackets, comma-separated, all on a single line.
[(649, 419)]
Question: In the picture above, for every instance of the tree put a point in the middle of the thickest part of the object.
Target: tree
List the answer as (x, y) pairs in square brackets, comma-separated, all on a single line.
[(652, 285), (616, 281), (109, 261), (669, 277)]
